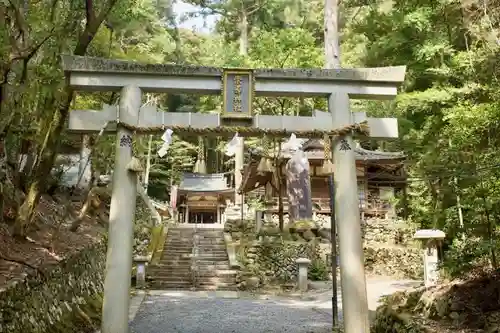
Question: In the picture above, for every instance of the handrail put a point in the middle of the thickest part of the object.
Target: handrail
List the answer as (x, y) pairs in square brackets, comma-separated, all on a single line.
[(194, 257)]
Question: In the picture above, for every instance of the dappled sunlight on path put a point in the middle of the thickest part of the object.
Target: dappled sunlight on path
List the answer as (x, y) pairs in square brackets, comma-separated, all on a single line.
[(228, 312)]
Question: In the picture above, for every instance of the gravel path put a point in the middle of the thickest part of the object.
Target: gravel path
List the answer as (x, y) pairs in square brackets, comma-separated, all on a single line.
[(194, 312)]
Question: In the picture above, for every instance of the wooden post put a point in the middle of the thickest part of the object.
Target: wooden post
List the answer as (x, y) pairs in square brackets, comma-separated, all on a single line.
[(121, 232), (186, 214)]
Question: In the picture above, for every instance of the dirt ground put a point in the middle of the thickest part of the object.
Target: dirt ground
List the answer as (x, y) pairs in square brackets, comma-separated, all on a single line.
[(49, 242)]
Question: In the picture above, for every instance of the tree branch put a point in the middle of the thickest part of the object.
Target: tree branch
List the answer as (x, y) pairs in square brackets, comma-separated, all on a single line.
[(92, 26), (29, 52), (89, 12), (24, 263), (21, 23)]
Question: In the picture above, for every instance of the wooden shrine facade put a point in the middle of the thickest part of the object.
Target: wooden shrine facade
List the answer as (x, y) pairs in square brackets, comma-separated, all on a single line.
[(380, 176), (202, 198)]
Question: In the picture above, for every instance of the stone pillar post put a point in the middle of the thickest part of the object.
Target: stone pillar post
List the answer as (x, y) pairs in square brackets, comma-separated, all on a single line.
[(430, 240), (238, 166), (121, 221), (303, 264), (140, 275), (352, 266)]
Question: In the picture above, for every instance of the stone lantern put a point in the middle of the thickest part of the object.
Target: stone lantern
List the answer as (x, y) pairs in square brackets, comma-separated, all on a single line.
[(431, 241), (141, 262)]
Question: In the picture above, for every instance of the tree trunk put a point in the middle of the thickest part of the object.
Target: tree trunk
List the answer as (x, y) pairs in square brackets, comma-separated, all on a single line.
[(243, 32), (48, 151)]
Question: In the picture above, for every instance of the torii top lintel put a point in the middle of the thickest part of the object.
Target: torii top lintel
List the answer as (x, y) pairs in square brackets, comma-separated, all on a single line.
[(98, 74)]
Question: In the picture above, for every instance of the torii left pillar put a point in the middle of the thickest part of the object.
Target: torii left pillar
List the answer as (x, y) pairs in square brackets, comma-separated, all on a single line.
[(121, 220)]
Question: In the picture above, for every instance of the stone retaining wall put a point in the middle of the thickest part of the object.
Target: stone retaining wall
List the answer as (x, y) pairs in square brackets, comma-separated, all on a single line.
[(266, 262), (388, 245), (67, 299)]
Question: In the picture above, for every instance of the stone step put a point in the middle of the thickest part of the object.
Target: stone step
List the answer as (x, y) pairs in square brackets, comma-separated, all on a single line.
[(171, 285), (178, 248), (213, 263), (202, 284), (173, 272), (210, 234), (214, 267), (170, 267), (180, 238), (216, 273), (215, 283), (177, 251), (208, 258), (176, 258), (209, 262), (212, 251), (203, 281), (168, 277), (210, 243), (170, 252), (178, 243), (212, 288), (170, 272), (214, 257), (176, 255)]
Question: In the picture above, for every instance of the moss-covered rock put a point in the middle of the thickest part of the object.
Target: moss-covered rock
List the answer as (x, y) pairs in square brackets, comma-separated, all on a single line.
[(275, 261), (399, 262), (66, 299)]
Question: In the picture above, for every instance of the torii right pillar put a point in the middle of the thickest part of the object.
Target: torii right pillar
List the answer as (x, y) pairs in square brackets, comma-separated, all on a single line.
[(352, 272)]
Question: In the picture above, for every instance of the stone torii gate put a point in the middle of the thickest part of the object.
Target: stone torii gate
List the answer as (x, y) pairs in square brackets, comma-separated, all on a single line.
[(238, 87)]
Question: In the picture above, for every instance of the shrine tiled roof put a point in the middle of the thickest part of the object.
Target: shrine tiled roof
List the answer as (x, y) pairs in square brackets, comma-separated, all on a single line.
[(196, 182)]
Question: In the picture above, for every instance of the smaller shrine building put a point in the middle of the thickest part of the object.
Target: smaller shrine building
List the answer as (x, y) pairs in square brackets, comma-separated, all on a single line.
[(202, 198), (380, 175)]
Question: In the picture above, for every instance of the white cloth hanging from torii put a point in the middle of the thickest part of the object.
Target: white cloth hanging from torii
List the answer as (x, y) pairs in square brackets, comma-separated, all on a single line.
[(167, 140), (231, 146), (292, 144)]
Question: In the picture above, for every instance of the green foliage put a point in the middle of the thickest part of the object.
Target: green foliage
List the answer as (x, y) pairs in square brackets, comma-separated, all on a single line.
[(448, 108), (318, 270), (464, 255), (448, 113)]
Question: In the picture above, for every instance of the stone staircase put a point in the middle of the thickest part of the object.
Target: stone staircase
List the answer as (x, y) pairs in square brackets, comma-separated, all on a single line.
[(211, 264), (174, 269)]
